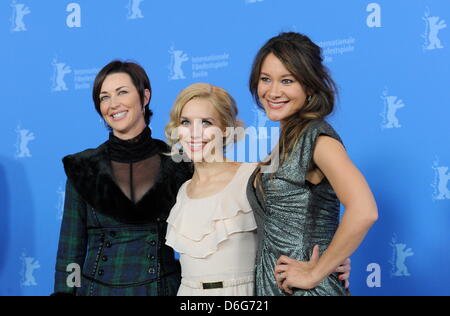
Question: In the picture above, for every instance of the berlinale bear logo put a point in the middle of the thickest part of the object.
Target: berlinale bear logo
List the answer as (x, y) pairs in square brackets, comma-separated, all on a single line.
[(134, 12), (29, 265), (391, 106), (442, 179), (400, 255), (178, 57), (24, 136), (19, 12), (433, 26), (60, 70)]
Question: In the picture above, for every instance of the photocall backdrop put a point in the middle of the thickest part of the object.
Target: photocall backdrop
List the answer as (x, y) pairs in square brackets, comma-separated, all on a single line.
[(390, 59)]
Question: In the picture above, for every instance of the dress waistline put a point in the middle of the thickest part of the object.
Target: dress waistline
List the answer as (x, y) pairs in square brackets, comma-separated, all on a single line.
[(217, 284)]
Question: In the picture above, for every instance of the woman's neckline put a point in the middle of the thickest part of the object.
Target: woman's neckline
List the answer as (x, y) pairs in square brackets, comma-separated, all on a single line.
[(215, 194)]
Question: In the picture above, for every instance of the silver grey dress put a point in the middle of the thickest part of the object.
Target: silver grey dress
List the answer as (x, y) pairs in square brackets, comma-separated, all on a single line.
[(293, 215)]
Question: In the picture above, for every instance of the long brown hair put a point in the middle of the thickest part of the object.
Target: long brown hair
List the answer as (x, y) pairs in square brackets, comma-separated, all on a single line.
[(303, 59)]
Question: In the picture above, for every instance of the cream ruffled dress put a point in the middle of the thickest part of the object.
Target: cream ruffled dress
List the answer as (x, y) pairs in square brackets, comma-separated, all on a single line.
[(216, 239)]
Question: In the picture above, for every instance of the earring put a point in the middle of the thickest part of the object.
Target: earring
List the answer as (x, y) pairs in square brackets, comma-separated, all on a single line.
[(309, 98), (178, 148)]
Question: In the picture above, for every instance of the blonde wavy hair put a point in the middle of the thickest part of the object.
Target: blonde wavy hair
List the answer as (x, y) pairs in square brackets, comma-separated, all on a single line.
[(221, 100)]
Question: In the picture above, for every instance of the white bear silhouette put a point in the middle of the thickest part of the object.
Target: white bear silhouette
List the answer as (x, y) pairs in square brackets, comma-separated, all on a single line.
[(178, 58), (61, 70), (401, 255), (25, 137), (444, 178), (30, 265), (135, 11), (20, 10), (392, 104), (435, 24)]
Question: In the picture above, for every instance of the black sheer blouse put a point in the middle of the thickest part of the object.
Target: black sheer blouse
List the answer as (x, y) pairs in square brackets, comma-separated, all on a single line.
[(135, 164)]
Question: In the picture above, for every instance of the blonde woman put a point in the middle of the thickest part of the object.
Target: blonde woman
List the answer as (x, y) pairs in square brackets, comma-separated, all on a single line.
[(212, 225)]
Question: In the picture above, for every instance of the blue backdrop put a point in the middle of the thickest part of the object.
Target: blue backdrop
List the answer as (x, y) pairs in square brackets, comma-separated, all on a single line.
[(391, 60)]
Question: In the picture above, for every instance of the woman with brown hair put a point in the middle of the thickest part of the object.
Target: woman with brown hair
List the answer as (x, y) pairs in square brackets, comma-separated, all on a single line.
[(297, 207)]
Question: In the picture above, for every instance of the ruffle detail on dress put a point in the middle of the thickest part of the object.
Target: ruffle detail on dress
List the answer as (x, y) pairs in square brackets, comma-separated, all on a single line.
[(196, 232)]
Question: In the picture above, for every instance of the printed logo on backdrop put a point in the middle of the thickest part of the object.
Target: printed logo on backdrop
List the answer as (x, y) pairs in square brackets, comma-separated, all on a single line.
[(20, 10), (433, 25), (201, 66), (441, 181), (400, 253), (177, 59), (29, 266), (391, 105), (253, 1), (24, 137), (61, 193), (60, 70), (339, 47), (82, 78), (134, 10)]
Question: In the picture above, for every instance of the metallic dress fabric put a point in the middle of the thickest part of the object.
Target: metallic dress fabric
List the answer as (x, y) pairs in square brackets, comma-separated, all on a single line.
[(293, 215)]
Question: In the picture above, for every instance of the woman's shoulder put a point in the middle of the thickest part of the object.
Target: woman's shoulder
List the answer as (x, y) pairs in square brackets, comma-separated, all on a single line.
[(237, 187), (321, 125), (317, 128), (85, 159), (307, 141), (89, 153)]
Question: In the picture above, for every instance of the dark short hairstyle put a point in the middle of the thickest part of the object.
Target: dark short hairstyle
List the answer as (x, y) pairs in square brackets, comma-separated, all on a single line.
[(138, 77)]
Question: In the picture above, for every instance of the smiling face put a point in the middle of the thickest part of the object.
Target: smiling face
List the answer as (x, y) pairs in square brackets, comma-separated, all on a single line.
[(280, 93), (200, 131), (121, 107)]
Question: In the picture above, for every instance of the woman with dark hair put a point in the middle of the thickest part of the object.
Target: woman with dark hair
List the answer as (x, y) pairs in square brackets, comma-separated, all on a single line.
[(297, 207), (118, 197)]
